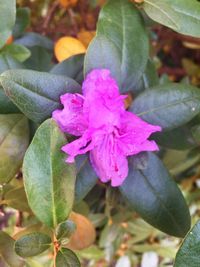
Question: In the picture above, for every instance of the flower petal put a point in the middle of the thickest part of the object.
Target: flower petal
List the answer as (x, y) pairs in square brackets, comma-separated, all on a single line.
[(78, 147), (103, 103), (71, 119), (108, 162), (134, 133)]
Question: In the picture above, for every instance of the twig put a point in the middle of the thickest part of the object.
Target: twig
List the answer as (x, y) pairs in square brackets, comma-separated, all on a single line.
[(49, 16)]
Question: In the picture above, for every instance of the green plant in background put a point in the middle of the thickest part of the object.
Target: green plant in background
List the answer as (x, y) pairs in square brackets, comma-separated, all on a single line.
[(36, 180)]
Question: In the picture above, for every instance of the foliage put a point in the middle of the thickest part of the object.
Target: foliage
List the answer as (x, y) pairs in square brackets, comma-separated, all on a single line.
[(60, 214)]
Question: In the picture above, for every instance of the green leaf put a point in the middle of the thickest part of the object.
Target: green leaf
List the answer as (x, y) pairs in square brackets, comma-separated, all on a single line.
[(22, 21), (14, 139), (49, 181), (16, 198), (91, 253), (18, 52), (121, 44), (67, 258), (196, 133), (65, 229), (36, 94), (7, 19), (7, 62), (179, 138), (32, 244), (40, 59), (6, 105), (180, 15), (7, 251), (169, 105), (31, 39), (71, 67), (86, 178), (188, 254), (150, 77), (155, 196)]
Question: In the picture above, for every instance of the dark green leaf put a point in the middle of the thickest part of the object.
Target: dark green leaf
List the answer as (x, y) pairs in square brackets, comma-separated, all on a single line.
[(31, 39), (67, 258), (36, 93), (49, 181), (32, 244), (155, 196), (14, 139), (18, 52), (188, 254), (7, 62), (121, 44), (40, 59), (7, 19), (86, 178), (71, 67), (169, 106), (180, 15), (7, 251), (65, 229), (150, 77), (196, 133), (6, 105), (179, 138), (22, 21)]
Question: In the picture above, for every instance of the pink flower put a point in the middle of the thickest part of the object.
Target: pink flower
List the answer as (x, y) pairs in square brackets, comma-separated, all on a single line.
[(105, 128)]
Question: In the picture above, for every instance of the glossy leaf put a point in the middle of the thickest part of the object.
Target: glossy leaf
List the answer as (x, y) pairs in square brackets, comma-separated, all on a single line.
[(188, 254), (86, 178), (31, 39), (179, 138), (49, 181), (22, 21), (71, 67), (152, 193), (121, 44), (180, 15), (14, 139), (7, 19), (32, 244), (7, 251), (18, 52), (169, 105), (65, 229), (36, 94), (67, 258)]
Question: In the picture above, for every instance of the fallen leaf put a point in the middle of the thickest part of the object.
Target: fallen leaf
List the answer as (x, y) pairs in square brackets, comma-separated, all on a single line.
[(66, 47)]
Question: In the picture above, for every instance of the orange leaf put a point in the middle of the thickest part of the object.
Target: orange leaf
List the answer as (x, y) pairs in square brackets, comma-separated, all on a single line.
[(84, 235), (66, 47), (86, 37)]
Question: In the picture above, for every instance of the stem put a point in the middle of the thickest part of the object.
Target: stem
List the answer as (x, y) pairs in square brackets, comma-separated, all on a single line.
[(54, 251)]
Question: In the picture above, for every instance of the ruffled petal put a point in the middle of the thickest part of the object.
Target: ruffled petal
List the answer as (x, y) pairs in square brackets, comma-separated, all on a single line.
[(108, 162), (133, 134), (103, 103), (71, 119), (78, 147)]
